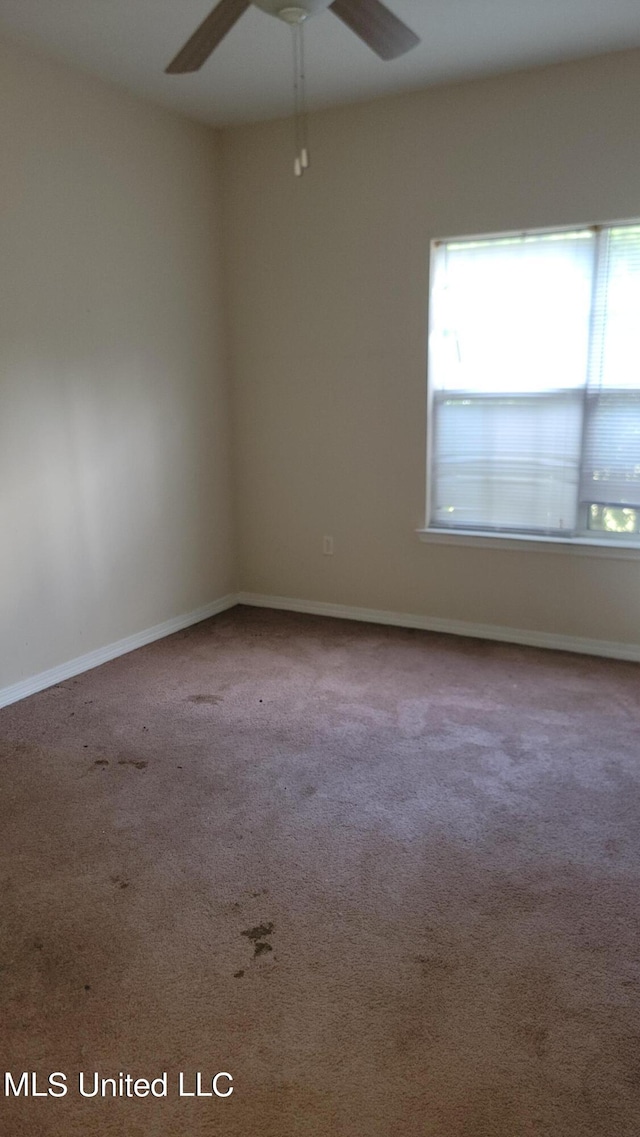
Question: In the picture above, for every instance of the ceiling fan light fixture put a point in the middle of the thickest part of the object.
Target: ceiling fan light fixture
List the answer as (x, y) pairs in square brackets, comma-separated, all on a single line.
[(279, 7), (293, 15)]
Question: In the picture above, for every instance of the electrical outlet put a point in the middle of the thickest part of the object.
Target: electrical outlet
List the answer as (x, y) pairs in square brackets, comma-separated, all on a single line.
[(327, 546)]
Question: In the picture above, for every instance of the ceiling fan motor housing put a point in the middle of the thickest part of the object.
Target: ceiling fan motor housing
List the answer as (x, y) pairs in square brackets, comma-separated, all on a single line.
[(292, 13)]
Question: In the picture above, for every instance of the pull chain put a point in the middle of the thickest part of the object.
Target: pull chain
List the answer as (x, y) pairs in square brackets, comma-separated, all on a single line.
[(304, 148), (297, 165), (301, 148)]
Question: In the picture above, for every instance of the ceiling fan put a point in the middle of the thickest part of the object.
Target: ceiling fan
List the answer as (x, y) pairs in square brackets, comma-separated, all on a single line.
[(371, 20)]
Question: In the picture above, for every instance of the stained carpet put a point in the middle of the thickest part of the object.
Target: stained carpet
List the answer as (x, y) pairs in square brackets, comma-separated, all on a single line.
[(388, 880)]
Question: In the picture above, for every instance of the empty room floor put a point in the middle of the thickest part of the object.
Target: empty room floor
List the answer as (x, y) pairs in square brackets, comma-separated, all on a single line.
[(386, 879)]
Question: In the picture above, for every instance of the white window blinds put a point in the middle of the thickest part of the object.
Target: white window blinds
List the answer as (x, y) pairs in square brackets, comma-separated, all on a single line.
[(535, 381), (611, 460)]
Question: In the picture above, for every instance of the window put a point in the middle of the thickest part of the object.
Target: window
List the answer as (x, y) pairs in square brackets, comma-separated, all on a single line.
[(534, 385)]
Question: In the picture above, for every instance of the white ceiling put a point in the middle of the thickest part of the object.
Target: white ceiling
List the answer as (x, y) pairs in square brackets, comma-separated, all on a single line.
[(248, 77)]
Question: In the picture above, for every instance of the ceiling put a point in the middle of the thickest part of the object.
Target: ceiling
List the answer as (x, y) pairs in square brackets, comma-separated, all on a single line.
[(249, 76)]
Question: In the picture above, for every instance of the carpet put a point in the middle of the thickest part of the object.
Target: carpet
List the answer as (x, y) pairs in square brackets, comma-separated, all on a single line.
[(387, 880)]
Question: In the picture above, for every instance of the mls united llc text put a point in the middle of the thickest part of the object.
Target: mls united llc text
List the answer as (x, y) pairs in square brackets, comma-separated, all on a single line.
[(28, 1083)]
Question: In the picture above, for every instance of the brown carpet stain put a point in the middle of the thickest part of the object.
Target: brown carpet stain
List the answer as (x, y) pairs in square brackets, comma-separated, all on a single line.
[(448, 833), (259, 932), (257, 936)]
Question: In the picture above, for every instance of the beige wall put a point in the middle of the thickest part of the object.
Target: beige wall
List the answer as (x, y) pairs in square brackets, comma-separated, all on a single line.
[(116, 510), (327, 283), (114, 473)]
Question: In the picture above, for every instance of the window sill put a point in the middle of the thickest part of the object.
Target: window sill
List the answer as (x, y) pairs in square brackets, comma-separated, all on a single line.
[(582, 546)]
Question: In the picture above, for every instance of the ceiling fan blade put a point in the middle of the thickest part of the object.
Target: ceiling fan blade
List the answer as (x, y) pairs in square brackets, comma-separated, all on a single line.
[(206, 38), (383, 32)]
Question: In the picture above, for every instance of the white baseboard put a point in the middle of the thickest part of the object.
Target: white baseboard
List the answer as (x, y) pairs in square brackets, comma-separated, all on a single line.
[(606, 648), (111, 651)]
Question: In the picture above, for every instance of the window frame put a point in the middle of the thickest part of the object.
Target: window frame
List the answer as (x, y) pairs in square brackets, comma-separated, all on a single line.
[(582, 541)]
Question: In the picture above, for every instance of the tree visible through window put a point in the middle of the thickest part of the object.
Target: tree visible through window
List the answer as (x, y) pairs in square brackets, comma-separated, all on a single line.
[(534, 384)]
